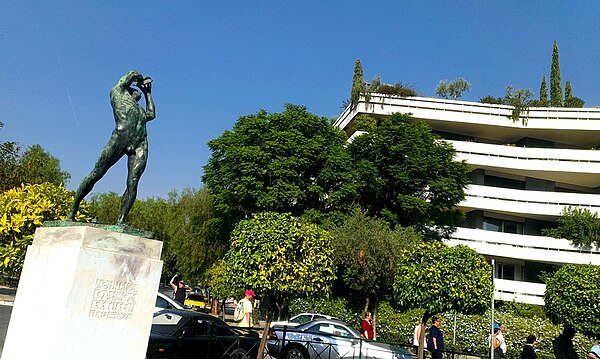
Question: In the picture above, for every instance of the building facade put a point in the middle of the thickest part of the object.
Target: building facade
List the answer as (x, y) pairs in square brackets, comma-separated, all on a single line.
[(522, 176)]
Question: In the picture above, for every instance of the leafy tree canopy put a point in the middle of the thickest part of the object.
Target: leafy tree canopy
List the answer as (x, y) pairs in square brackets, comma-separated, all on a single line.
[(409, 177), (432, 277), (571, 298), (578, 225), (280, 256), (366, 252), (290, 162), (22, 210), (32, 166), (453, 89)]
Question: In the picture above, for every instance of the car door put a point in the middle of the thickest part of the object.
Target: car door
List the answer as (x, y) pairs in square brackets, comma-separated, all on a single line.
[(329, 340), (195, 341)]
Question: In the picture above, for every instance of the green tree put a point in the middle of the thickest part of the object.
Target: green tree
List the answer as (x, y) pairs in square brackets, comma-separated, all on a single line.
[(556, 97), (358, 85), (571, 298), (215, 281), (432, 277), (409, 177), (570, 100), (33, 166), (568, 91), (193, 241), (280, 256), (520, 101), (38, 166), (22, 210), (366, 253), (544, 93), (291, 162), (453, 89), (578, 225)]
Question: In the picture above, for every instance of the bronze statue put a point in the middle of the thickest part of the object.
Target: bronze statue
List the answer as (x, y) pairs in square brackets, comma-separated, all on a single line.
[(128, 138)]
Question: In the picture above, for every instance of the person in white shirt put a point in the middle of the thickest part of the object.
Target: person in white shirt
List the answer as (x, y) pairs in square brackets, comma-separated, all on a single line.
[(247, 304)]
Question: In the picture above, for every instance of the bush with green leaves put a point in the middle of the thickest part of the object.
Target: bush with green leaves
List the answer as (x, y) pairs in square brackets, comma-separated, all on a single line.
[(472, 331), (22, 210), (280, 257)]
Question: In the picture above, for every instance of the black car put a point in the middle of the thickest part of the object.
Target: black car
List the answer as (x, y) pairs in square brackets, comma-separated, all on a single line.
[(186, 334)]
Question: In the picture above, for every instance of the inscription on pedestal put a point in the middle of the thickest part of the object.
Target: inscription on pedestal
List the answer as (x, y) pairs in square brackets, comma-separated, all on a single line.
[(113, 300)]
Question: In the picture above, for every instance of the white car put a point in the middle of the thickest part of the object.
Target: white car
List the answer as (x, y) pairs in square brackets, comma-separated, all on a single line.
[(164, 302), (301, 318)]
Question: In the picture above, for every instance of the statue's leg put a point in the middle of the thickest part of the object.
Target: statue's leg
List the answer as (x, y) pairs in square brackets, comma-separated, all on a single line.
[(136, 164), (111, 153)]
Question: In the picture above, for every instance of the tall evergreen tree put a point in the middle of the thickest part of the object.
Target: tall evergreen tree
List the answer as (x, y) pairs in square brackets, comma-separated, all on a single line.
[(568, 91), (556, 99), (357, 84), (544, 93)]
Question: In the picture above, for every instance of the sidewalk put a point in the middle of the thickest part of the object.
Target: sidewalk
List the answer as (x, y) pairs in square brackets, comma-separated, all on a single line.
[(7, 295)]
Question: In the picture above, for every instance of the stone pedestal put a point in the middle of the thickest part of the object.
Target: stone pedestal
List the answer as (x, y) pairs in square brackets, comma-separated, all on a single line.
[(84, 292)]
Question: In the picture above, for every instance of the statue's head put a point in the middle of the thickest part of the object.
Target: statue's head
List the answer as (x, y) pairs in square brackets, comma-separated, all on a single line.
[(134, 93)]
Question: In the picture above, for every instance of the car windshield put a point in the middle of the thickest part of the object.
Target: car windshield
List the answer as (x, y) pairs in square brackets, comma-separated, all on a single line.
[(334, 329), (166, 323), (301, 319)]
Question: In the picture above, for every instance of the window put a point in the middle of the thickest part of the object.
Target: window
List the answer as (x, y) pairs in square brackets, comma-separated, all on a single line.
[(500, 225)]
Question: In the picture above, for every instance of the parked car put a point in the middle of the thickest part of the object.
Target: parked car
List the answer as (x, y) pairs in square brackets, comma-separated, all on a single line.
[(301, 319), (187, 334), (328, 338), (164, 302)]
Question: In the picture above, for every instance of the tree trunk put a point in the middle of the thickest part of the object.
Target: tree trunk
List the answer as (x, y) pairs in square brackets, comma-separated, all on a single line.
[(375, 305), (223, 310), (366, 304), (214, 307), (420, 351)]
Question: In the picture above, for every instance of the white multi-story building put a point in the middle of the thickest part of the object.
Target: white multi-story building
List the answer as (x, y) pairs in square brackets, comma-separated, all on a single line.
[(522, 176)]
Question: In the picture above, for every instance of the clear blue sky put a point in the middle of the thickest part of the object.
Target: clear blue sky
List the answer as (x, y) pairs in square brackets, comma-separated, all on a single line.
[(214, 61)]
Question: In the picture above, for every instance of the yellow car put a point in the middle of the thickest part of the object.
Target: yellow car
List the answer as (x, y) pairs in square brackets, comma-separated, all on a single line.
[(196, 302)]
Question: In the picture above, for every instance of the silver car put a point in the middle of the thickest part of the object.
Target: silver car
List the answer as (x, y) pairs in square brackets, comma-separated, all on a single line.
[(328, 338), (301, 318)]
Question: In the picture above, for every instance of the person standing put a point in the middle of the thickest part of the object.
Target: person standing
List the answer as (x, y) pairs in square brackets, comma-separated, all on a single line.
[(595, 351), (180, 290), (502, 337), (246, 302), (528, 349), (417, 333), (496, 341), (366, 326), (435, 344)]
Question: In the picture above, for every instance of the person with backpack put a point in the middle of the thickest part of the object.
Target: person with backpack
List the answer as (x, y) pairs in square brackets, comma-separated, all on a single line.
[(243, 310)]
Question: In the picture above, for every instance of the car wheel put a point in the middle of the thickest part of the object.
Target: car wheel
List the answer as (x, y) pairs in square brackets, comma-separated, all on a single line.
[(295, 352), (239, 354)]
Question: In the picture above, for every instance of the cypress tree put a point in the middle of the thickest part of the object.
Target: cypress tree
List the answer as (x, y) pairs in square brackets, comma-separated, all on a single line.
[(357, 84), (556, 99), (544, 93), (568, 91)]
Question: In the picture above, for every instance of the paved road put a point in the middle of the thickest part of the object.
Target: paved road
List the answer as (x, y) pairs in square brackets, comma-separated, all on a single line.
[(5, 311)]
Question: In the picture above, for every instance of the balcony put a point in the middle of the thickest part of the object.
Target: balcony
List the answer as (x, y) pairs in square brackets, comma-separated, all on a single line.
[(577, 127), (523, 247), (575, 167), (531, 204), (522, 292)]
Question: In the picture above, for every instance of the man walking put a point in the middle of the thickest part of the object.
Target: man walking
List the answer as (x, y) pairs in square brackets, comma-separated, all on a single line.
[(435, 344), (246, 303), (180, 290)]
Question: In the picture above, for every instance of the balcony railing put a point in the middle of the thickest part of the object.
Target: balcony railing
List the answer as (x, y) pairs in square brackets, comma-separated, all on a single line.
[(524, 247), (526, 202)]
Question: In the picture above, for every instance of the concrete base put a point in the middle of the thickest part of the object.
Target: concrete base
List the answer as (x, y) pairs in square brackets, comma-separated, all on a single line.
[(84, 293)]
